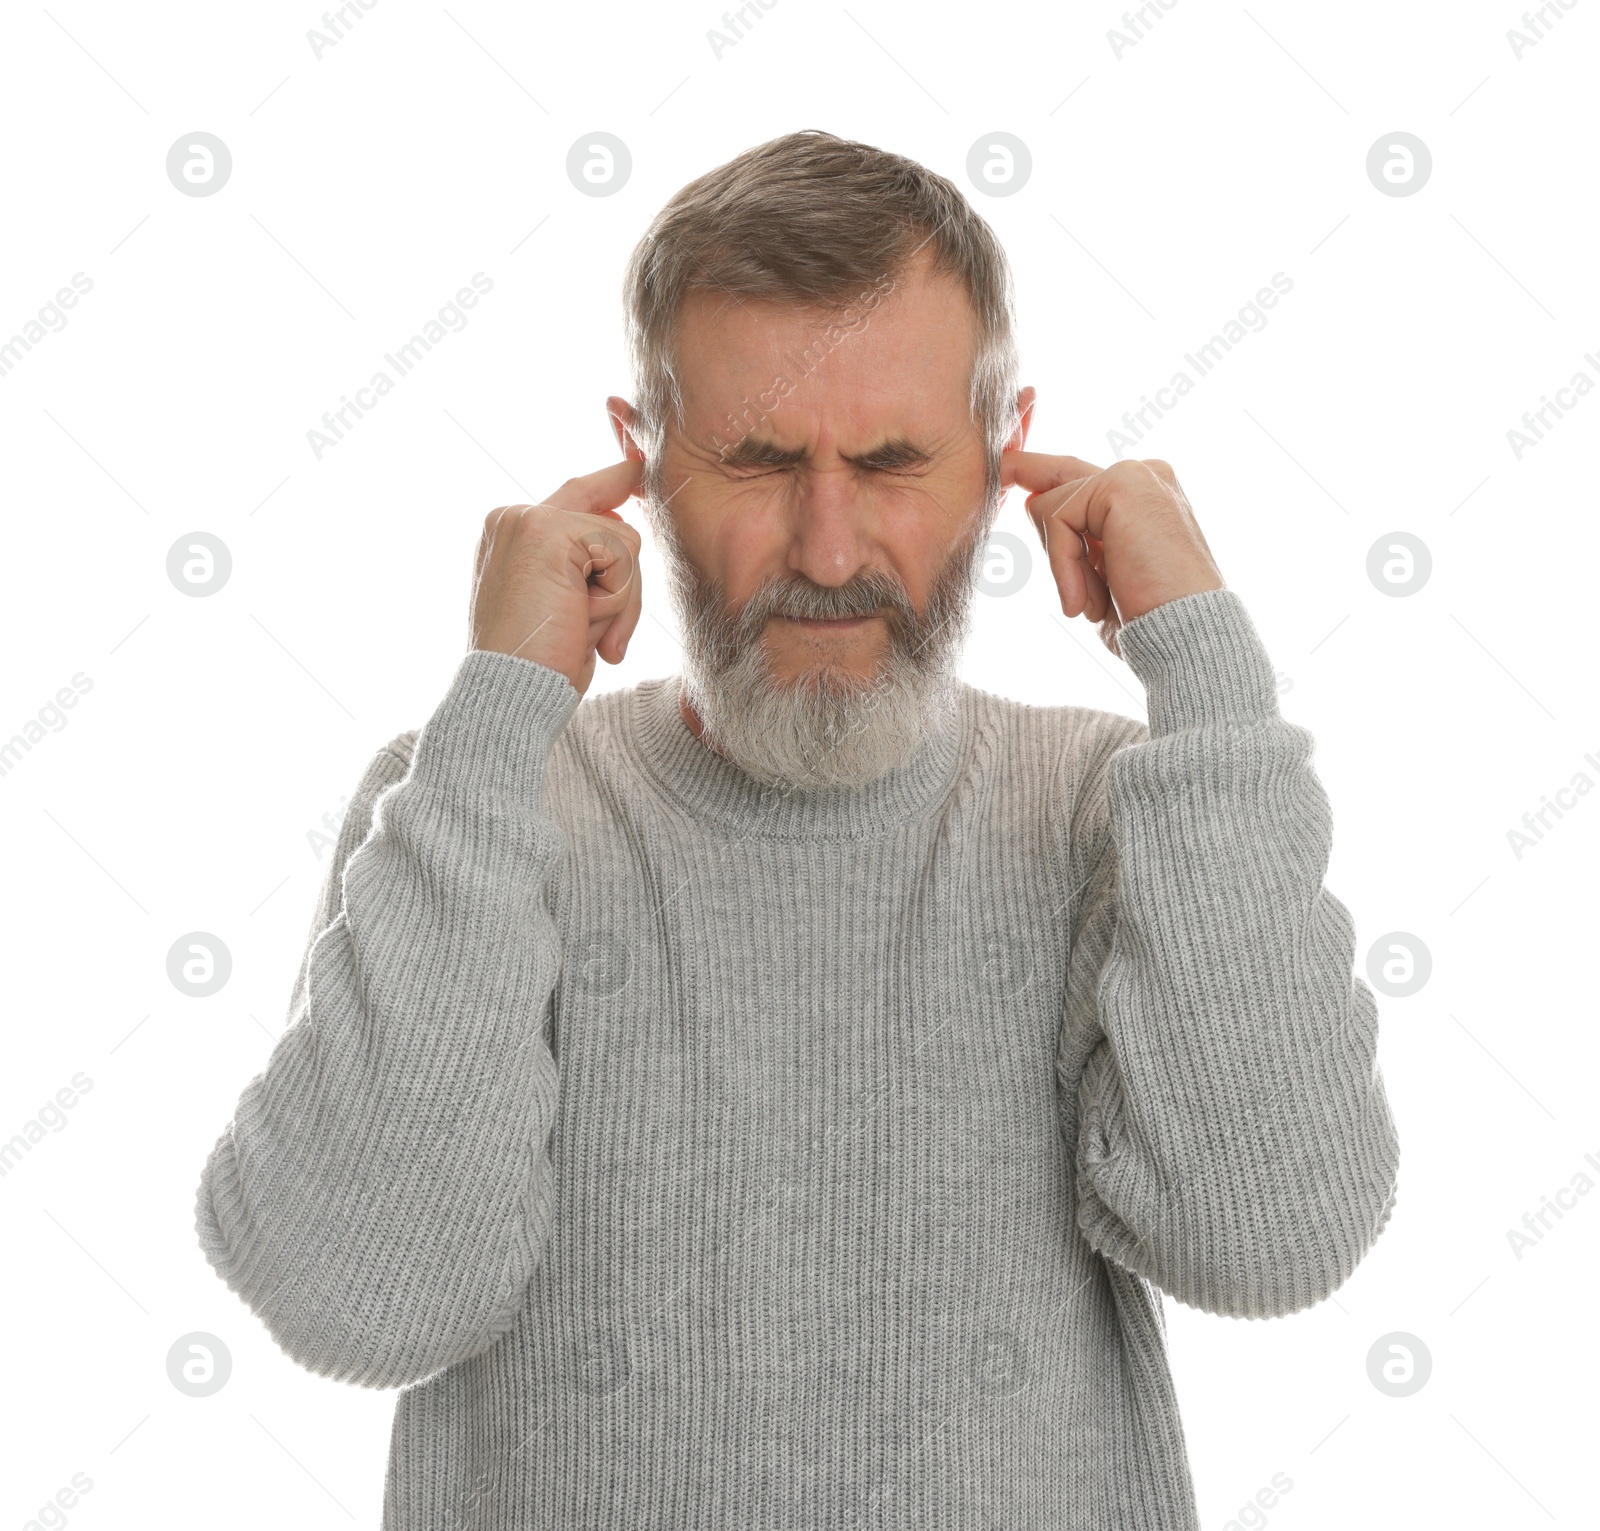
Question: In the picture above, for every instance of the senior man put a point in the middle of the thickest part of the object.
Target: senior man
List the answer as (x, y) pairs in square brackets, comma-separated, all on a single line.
[(777, 1095)]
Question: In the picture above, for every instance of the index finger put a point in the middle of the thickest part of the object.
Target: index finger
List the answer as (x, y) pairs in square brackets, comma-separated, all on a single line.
[(1038, 471), (600, 492)]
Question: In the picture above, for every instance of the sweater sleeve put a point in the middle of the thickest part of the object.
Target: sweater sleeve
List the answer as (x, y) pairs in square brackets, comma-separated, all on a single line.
[(1235, 1145), (383, 1193)]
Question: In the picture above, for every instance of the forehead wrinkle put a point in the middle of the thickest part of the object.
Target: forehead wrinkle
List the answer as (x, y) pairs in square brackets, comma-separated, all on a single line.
[(928, 448)]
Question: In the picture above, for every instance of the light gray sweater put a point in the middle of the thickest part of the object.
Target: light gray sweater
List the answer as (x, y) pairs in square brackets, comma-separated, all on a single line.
[(698, 1157)]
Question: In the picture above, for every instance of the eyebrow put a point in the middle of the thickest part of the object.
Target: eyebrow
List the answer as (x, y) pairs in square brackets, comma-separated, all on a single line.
[(751, 452)]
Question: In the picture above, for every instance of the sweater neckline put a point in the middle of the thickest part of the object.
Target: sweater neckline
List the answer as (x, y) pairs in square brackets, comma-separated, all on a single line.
[(712, 786)]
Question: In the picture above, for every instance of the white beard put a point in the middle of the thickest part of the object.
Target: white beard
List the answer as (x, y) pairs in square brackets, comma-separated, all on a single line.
[(828, 726)]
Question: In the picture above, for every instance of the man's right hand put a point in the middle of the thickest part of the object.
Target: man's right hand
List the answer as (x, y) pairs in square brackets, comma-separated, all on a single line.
[(558, 582)]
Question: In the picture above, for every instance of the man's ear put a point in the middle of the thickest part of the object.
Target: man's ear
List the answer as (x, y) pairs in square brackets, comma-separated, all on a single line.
[(1025, 398), (622, 417)]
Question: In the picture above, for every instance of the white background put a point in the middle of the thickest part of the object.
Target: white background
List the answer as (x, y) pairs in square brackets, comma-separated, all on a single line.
[(1168, 185)]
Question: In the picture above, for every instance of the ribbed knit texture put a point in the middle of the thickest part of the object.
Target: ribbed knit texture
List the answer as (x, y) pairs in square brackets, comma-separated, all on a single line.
[(700, 1157)]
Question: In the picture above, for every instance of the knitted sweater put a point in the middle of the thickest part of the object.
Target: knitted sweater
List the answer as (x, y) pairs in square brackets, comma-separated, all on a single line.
[(695, 1155)]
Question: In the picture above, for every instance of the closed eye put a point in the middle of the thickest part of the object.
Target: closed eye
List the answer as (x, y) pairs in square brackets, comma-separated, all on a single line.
[(913, 470)]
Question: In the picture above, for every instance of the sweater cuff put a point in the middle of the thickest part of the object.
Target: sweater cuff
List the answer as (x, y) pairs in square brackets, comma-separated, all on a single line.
[(495, 726), (1200, 660)]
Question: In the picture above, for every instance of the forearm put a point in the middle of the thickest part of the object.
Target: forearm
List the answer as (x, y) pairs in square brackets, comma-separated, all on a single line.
[(1235, 1141), (382, 1194)]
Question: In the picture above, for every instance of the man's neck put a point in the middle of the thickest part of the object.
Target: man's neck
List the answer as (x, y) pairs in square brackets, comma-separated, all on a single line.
[(692, 718)]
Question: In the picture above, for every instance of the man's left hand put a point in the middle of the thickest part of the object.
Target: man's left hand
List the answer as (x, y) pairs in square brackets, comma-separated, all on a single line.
[(1121, 540)]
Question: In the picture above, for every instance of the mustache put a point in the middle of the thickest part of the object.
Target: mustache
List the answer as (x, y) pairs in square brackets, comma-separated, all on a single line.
[(869, 595)]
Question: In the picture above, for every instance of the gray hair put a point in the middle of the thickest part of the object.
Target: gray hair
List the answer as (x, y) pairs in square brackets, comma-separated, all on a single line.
[(810, 218)]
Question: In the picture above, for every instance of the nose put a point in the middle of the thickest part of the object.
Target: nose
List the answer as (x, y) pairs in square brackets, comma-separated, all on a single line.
[(829, 541)]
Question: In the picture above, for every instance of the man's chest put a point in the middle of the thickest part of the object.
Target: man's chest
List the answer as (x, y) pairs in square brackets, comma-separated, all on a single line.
[(757, 1025)]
